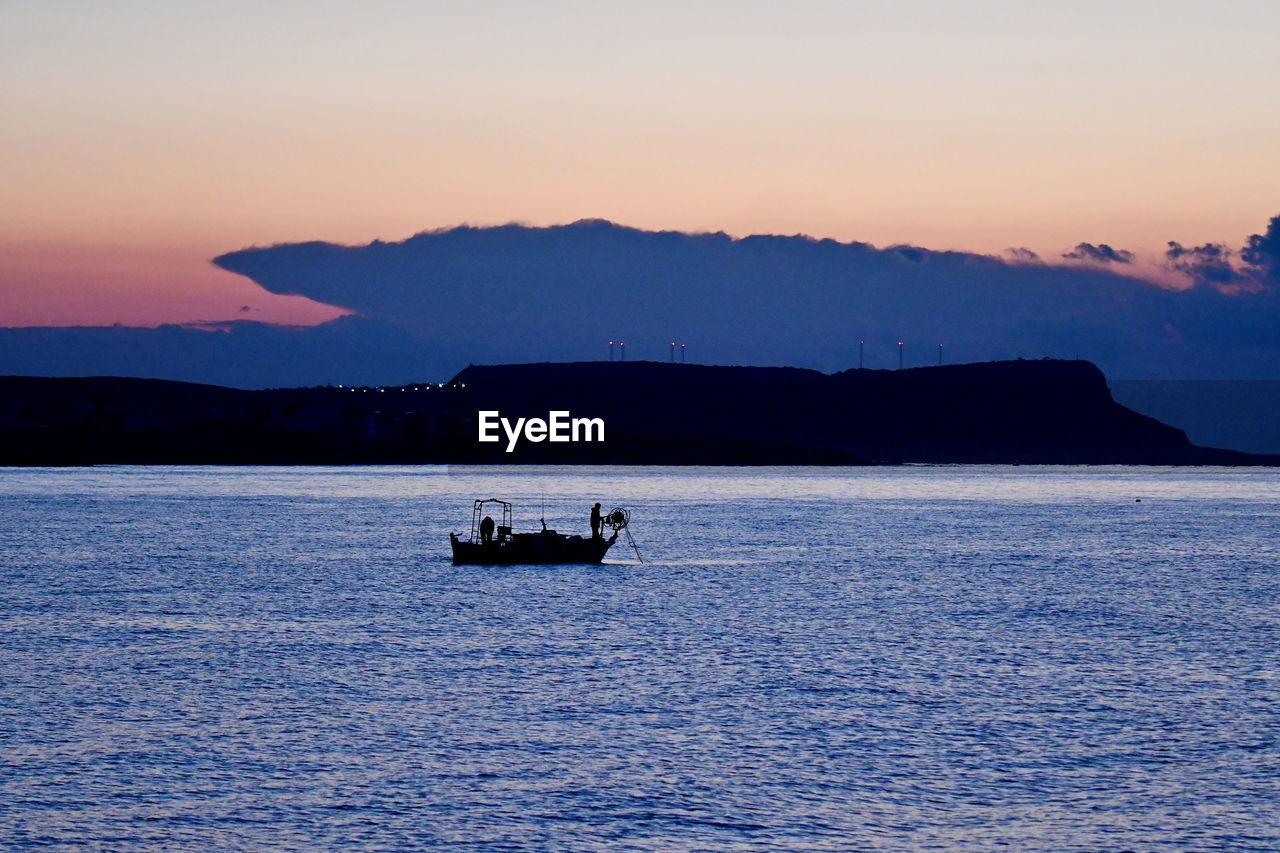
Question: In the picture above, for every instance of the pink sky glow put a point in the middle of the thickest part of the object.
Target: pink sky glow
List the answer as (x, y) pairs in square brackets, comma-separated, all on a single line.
[(142, 138)]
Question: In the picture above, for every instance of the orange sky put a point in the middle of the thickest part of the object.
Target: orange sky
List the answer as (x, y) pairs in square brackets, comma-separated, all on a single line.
[(141, 138)]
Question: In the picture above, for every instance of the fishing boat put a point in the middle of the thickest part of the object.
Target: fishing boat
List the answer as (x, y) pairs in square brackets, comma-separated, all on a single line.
[(496, 544)]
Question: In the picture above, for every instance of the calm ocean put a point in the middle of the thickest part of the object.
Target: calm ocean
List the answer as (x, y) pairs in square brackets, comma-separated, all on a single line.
[(944, 658)]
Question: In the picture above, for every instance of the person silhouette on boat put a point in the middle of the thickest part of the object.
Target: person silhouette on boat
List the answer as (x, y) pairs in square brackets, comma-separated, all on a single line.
[(486, 530), (595, 521)]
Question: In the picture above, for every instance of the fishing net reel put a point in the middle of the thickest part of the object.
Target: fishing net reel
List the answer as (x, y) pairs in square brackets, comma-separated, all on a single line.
[(619, 520)]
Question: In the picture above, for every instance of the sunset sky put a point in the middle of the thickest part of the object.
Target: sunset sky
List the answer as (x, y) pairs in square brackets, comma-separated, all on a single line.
[(140, 139)]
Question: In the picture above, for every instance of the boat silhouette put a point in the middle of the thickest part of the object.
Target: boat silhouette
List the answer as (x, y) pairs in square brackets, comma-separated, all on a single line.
[(496, 544)]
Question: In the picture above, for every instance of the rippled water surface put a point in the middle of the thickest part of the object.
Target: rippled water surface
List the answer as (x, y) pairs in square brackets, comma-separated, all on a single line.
[(809, 659)]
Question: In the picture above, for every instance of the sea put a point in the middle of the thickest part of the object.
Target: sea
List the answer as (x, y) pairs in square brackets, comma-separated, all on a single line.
[(789, 659)]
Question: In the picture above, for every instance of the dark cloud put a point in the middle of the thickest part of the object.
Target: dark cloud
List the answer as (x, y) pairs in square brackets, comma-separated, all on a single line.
[(1022, 255), (1262, 252), (1101, 253), (517, 293), (1210, 264), (1256, 267), (429, 305)]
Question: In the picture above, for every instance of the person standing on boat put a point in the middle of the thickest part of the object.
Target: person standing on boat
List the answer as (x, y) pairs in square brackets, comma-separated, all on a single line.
[(486, 530), (595, 521)]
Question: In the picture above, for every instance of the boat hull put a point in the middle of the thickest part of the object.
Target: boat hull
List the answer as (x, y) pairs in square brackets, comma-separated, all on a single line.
[(531, 549)]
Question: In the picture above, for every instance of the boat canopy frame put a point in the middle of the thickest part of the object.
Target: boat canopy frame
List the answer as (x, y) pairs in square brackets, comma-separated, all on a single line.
[(477, 513)]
